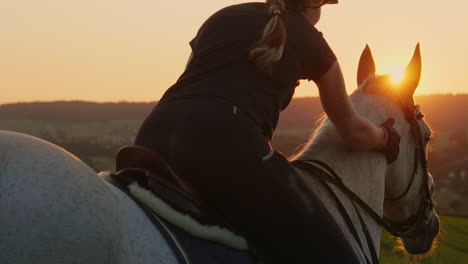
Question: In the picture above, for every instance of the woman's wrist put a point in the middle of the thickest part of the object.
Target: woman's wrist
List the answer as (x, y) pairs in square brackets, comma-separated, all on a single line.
[(392, 141), (383, 137)]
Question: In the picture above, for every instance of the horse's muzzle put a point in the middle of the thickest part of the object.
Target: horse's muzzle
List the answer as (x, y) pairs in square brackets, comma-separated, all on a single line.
[(422, 243)]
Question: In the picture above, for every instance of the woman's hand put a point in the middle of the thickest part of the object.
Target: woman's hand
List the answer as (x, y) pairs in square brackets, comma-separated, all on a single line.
[(392, 145), (357, 133)]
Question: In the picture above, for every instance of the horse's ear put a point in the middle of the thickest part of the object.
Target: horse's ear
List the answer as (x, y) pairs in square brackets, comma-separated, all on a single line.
[(412, 74), (366, 65)]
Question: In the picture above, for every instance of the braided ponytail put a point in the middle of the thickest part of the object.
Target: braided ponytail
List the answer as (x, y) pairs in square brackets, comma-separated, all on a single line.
[(269, 49)]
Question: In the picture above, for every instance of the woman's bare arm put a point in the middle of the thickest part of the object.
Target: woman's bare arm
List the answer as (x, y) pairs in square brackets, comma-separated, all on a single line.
[(358, 133)]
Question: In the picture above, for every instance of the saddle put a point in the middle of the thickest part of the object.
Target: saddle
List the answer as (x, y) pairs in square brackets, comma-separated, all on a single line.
[(151, 172)]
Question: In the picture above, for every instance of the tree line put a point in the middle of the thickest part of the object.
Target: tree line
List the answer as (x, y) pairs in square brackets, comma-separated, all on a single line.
[(443, 112)]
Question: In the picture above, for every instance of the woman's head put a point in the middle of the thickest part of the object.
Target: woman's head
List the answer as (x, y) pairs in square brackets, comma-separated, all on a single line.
[(313, 11), (301, 5), (269, 49)]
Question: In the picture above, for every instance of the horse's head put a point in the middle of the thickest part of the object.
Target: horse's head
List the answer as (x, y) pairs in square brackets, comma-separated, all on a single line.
[(408, 205)]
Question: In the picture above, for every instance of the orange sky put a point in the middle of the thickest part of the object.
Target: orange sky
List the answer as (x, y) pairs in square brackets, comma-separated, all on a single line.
[(111, 50)]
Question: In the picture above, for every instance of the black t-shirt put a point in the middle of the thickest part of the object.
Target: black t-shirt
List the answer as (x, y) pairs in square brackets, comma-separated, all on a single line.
[(220, 66)]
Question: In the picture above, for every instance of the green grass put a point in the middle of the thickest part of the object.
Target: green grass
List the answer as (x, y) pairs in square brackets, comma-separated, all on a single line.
[(103, 164), (452, 244)]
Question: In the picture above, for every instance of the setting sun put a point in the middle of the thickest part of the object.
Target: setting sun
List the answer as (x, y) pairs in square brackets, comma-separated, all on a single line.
[(396, 72)]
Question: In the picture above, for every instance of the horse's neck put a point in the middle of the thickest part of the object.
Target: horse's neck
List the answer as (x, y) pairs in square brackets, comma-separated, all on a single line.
[(362, 172)]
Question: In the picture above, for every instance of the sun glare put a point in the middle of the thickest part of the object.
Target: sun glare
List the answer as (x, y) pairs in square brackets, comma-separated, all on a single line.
[(397, 73)]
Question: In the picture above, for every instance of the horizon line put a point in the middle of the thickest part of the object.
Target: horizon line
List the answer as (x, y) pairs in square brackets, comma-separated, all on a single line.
[(154, 101)]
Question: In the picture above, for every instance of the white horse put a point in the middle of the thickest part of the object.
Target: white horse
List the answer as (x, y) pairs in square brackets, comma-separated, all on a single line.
[(54, 209), (394, 191)]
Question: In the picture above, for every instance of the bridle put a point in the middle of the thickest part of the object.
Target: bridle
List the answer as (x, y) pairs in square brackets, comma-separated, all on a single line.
[(411, 226), (406, 228)]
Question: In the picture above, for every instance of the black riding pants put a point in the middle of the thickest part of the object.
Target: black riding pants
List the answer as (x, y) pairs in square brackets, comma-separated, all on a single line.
[(218, 149)]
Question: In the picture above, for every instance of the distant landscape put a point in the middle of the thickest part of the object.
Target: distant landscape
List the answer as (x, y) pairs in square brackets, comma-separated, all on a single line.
[(95, 131)]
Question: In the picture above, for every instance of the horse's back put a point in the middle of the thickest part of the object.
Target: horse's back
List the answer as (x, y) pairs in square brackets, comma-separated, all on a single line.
[(54, 209)]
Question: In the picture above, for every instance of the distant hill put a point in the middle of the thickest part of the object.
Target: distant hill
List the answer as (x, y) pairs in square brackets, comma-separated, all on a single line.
[(444, 112), (75, 111)]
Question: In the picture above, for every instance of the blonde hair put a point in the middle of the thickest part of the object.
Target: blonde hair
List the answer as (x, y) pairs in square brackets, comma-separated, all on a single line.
[(267, 51)]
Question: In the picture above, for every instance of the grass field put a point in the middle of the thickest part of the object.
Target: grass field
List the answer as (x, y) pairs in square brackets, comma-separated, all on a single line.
[(452, 245), (102, 130)]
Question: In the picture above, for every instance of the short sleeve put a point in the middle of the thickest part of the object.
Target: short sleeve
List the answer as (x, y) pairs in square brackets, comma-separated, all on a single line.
[(194, 42), (317, 56)]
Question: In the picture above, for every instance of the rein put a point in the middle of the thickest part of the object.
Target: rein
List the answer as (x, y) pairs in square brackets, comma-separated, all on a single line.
[(331, 176)]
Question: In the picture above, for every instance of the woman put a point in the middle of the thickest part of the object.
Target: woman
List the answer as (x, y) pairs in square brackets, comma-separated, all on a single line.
[(215, 124)]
